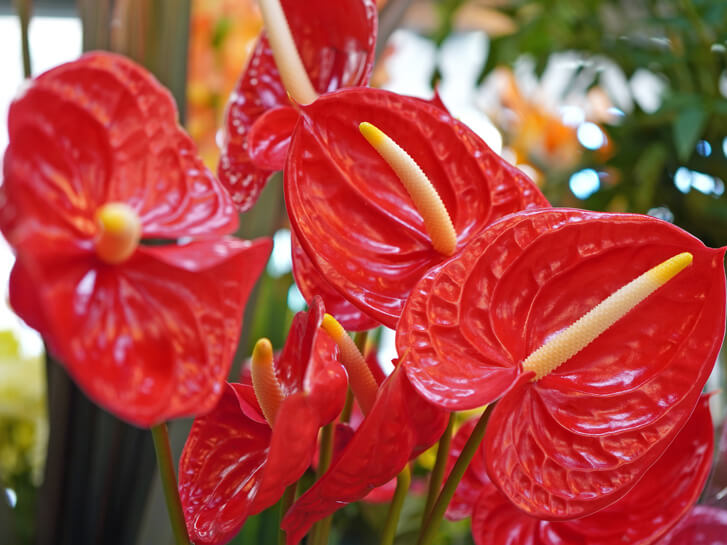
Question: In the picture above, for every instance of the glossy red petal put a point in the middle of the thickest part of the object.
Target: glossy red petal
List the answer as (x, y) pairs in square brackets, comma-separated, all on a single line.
[(704, 525), (577, 440), (353, 216), (102, 129), (495, 520), (474, 479), (309, 364), (148, 340), (269, 137), (216, 482), (661, 498), (336, 42), (311, 282), (446, 363), (399, 427)]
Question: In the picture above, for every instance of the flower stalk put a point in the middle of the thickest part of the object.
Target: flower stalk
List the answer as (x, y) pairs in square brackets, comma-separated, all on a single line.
[(434, 519), (403, 481), (163, 451), (440, 464)]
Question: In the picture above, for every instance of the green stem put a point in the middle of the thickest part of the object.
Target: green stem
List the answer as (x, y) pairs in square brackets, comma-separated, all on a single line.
[(347, 407), (437, 476), (285, 502), (160, 435), (319, 534), (431, 525), (24, 9), (403, 480)]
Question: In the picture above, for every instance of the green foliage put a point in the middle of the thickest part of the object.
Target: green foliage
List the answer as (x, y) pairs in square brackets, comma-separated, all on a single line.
[(684, 43)]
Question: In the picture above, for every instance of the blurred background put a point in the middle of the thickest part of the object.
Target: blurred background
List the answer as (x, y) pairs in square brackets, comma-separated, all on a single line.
[(615, 105)]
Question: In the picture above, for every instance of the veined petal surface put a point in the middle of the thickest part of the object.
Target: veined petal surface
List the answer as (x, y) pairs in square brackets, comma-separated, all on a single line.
[(353, 216), (336, 42)]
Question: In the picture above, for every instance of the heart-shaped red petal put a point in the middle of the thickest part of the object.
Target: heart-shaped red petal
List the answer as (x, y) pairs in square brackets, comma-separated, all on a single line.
[(336, 42), (704, 525), (659, 500), (400, 426), (102, 129), (312, 283), (353, 216), (151, 339)]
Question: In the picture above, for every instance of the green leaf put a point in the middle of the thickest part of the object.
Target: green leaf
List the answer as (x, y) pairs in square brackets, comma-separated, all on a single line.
[(688, 127)]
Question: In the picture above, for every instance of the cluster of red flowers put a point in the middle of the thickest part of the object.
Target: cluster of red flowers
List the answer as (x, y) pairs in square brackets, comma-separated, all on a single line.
[(593, 333)]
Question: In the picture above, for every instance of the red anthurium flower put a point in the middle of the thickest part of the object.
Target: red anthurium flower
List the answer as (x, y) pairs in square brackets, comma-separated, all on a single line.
[(665, 493), (234, 464), (97, 164), (576, 439), (704, 525), (336, 43), (312, 283), (400, 426), (352, 213)]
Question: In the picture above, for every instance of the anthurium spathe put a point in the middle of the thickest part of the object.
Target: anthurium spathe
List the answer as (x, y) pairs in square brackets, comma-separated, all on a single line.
[(355, 218), (235, 463), (336, 42), (311, 283), (96, 165), (661, 498), (704, 525), (400, 426), (574, 439)]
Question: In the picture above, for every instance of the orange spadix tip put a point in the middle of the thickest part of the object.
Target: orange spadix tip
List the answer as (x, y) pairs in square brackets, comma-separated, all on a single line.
[(264, 382), (427, 201), (119, 232), (331, 326), (263, 352), (360, 379)]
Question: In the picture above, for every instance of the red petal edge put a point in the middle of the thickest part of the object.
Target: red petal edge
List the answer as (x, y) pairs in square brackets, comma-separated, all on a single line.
[(337, 185), (336, 41), (400, 426)]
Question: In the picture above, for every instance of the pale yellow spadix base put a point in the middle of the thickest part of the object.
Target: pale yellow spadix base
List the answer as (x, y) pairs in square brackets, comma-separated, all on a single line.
[(437, 221), (119, 232), (264, 382), (287, 59), (576, 337), (362, 382)]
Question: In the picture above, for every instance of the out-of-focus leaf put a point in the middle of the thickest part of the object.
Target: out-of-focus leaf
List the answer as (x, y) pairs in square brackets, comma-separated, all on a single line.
[(688, 125)]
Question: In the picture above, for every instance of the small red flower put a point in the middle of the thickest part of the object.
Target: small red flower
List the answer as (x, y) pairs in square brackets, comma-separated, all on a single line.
[(234, 464), (665, 493), (578, 438), (351, 212), (400, 426), (336, 42), (97, 164)]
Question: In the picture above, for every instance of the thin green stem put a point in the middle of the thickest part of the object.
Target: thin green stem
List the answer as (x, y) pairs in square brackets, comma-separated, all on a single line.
[(160, 435), (319, 534), (285, 502), (440, 464), (347, 407), (431, 524), (403, 480), (24, 9)]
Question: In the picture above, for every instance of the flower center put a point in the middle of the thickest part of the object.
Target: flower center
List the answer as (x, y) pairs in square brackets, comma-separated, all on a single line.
[(580, 334), (119, 232), (362, 381), (437, 221), (264, 382), (290, 66)]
